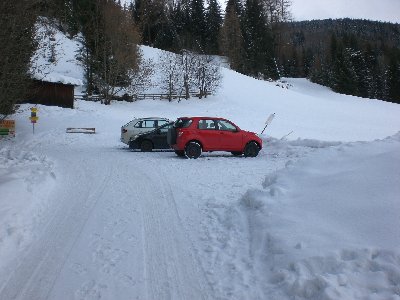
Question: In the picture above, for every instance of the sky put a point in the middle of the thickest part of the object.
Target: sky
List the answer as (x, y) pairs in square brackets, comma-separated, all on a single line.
[(376, 10)]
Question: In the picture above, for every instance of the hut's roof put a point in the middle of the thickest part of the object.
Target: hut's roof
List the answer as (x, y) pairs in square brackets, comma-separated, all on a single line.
[(58, 78)]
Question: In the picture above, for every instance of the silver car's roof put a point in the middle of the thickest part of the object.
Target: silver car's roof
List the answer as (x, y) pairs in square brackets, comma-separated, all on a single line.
[(151, 118), (147, 118)]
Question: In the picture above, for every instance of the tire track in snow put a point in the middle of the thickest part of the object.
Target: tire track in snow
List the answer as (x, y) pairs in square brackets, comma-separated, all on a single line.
[(172, 269), (34, 277), (165, 266)]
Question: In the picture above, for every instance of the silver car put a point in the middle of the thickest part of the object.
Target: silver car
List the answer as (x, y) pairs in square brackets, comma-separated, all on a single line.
[(130, 130)]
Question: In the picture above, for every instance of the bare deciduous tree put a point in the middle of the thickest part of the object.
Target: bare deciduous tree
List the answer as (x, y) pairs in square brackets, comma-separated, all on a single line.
[(170, 68), (277, 10), (207, 75), (187, 65), (189, 71), (140, 79)]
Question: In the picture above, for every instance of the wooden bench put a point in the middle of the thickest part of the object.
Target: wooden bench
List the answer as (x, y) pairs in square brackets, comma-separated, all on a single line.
[(81, 130)]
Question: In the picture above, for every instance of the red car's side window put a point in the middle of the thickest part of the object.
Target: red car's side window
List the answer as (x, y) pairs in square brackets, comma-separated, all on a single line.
[(206, 124)]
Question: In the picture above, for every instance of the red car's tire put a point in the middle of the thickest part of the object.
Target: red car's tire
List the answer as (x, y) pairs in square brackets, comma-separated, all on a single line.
[(193, 150), (251, 149)]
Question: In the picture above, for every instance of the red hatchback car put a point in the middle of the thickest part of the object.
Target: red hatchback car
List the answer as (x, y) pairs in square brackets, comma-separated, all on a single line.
[(191, 136)]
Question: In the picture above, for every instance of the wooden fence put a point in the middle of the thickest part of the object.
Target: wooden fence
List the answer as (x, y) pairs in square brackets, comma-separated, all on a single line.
[(137, 97)]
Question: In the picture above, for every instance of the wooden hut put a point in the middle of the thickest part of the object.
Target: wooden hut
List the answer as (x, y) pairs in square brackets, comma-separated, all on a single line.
[(51, 93)]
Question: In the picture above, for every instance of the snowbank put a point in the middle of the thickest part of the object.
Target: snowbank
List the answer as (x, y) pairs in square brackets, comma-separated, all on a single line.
[(326, 227)]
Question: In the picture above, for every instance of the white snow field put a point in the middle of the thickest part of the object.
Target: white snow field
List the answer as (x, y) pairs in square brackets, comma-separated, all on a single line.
[(315, 216)]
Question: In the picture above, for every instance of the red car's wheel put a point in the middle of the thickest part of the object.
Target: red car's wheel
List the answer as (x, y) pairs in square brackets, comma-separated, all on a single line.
[(193, 150), (251, 149)]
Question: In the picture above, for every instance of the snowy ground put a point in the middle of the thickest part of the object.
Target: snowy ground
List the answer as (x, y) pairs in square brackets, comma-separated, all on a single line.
[(315, 216)]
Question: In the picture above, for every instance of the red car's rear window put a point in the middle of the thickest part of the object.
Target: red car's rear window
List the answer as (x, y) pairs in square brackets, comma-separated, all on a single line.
[(183, 123)]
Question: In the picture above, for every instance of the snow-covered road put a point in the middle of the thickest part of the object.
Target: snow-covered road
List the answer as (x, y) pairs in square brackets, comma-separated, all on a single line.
[(114, 229), (123, 224)]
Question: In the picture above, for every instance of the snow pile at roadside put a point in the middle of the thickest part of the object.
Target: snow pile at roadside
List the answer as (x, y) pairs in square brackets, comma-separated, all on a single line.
[(26, 179), (326, 227)]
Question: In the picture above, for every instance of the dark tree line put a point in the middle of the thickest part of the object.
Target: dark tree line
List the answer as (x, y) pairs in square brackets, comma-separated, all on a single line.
[(17, 19), (354, 57), (244, 33), (177, 25)]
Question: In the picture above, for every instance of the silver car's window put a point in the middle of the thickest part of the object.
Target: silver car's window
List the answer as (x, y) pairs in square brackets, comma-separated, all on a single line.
[(161, 122), (148, 124)]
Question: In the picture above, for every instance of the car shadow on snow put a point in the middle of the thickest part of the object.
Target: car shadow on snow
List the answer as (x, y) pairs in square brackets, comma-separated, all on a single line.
[(204, 155)]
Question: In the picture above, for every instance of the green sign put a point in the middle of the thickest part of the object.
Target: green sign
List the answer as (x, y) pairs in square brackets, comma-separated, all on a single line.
[(7, 128), (4, 131)]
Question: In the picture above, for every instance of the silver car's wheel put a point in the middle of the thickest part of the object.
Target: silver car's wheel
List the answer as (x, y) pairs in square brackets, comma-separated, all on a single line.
[(146, 146)]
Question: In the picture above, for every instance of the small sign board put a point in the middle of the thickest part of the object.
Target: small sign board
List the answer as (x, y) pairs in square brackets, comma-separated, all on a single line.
[(33, 116), (7, 128)]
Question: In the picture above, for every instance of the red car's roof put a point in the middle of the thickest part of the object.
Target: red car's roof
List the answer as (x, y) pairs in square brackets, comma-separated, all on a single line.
[(214, 118)]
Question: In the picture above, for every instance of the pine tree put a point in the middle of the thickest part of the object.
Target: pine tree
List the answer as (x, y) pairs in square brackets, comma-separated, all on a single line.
[(258, 42), (308, 62), (393, 77), (181, 21), (231, 39), (17, 46), (344, 74), (236, 5), (214, 23), (198, 25), (373, 72)]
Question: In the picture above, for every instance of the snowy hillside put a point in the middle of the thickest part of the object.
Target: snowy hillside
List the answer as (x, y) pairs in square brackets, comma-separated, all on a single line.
[(315, 216), (56, 57)]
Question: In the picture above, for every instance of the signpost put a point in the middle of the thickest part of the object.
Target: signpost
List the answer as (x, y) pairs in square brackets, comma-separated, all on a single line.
[(269, 120), (7, 128), (33, 118)]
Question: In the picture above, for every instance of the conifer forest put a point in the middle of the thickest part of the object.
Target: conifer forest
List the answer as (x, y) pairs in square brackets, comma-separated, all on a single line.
[(259, 38)]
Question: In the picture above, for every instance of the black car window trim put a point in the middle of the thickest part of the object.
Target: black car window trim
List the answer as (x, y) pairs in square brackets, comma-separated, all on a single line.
[(183, 123)]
